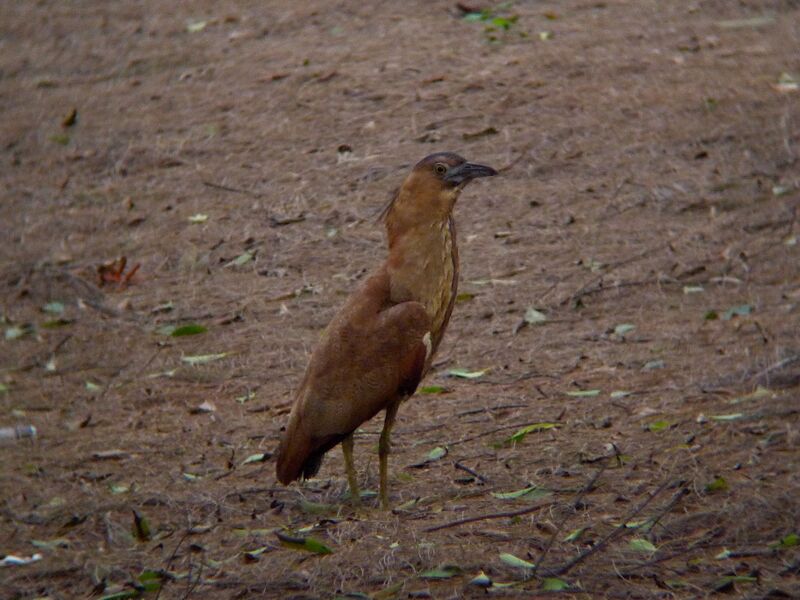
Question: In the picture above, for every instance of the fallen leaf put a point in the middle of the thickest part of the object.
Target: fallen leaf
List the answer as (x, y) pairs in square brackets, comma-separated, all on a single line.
[(553, 584), (190, 329), (481, 580), (201, 359), (443, 572), (204, 408), (534, 317), (433, 389), (642, 545), (583, 393), (737, 311), (254, 458), (520, 434), (140, 528), (513, 561), (198, 218), (464, 374), (718, 485), (532, 492), (308, 544)]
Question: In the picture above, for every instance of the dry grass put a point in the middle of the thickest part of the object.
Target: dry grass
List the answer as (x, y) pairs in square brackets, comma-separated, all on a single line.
[(642, 147)]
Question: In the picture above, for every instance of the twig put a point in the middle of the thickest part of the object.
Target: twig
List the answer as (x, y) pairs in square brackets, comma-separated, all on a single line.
[(499, 515), (226, 188), (778, 365), (569, 565), (172, 558), (490, 432), (472, 472), (668, 508), (575, 503)]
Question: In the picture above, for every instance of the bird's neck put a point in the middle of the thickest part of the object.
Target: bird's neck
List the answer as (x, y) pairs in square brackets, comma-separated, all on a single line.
[(423, 267)]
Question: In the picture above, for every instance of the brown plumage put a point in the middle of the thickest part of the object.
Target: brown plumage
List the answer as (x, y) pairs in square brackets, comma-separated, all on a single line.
[(379, 346)]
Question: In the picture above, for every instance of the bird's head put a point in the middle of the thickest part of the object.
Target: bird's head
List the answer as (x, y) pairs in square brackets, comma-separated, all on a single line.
[(431, 189)]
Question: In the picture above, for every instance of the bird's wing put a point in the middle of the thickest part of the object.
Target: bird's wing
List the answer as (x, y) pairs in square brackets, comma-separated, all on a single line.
[(371, 354)]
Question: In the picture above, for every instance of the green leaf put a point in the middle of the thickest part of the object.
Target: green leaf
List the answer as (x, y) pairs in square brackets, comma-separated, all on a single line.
[(437, 453), (56, 323), (308, 544), (254, 458), (92, 387), (141, 528), (316, 508), (513, 561), (55, 308), (245, 397), (118, 488), (642, 545), (619, 394), (520, 434), (534, 317), (433, 389), (196, 26), (623, 328), (481, 580), (760, 392), (653, 365), (711, 315), (121, 595), (465, 297), (532, 492), (464, 374), (730, 417), (17, 331), (759, 21), (718, 485), (723, 555), (51, 544), (253, 555), (60, 138), (659, 426), (553, 584), (151, 580), (575, 534), (737, 311), (693, 289), (191, 329), (198, 218), (726, 583), (443, 572), (3, 388), (202, 359), (191, 477), (241, 260), (583, 393), (474, 17), (788, 541)]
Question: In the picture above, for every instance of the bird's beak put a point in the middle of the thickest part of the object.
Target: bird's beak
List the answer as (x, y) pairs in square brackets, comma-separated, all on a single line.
[(466, 172)]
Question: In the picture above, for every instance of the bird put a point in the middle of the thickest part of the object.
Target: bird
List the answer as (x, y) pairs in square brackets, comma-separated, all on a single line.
[(376, 349)]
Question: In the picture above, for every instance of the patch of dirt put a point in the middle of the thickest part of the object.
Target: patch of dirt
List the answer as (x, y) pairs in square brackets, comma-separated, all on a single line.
[(650, 178)]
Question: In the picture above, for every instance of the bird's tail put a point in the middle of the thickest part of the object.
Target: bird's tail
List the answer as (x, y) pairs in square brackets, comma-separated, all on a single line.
[(293, 451), (300, 454)]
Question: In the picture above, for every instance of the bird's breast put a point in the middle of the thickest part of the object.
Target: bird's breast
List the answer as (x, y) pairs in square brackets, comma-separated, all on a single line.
[(424, 268)]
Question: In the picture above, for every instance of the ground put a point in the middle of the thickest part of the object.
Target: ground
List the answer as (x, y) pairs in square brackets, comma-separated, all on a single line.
[(239, 153)]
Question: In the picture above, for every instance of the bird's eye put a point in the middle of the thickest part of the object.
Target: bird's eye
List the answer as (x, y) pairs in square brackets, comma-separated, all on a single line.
[(440, 169)]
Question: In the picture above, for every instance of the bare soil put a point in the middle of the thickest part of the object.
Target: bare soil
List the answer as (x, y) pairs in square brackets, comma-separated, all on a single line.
[(647, 208)]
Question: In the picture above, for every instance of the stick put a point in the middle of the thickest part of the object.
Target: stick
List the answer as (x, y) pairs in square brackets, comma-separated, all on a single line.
[(614, 532), (499, 515), (586, 489), (475, 474)]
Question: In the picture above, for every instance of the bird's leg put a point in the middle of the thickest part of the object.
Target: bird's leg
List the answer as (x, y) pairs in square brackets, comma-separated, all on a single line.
[(384, 447), (347, 450)]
